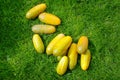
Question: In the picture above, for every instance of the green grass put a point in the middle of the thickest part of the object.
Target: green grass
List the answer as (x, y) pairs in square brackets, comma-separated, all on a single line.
[(97, 19)]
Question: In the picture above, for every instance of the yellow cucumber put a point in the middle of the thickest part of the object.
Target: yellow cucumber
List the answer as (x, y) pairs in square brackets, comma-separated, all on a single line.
[(85, 60), (46, 29), (35, 11), (82, 45), (64, 54), (62, 65), (49, 49), (72, 56), (49, 18), (59, 58), (61, 47), (38, 44)]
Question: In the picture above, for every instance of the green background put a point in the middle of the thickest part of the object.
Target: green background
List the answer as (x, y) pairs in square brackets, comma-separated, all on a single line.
[(99, 20)]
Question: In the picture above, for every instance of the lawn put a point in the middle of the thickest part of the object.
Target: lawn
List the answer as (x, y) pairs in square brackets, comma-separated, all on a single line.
[(99, 20)]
